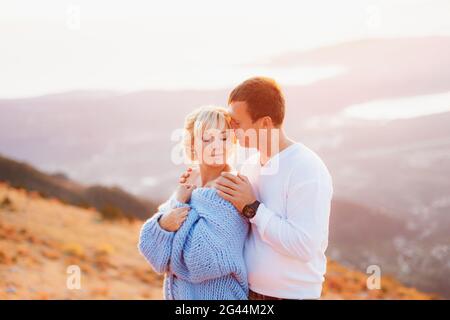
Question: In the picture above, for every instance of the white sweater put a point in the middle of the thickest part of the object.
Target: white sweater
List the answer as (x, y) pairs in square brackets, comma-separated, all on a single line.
[(285, 250)]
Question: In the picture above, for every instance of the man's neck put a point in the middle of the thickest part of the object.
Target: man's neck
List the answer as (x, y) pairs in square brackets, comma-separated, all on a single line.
[(273, 143)]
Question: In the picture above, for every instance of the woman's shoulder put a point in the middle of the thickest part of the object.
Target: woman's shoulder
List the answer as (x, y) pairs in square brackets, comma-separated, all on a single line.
[(209, 205), (207, 202), (209, 196)]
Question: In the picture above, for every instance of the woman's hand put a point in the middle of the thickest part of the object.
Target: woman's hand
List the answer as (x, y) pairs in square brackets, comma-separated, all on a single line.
[(172, 220), (183, 192), (190, 176)]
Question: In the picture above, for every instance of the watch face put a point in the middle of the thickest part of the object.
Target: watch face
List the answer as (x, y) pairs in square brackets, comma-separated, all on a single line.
[(249, 212)]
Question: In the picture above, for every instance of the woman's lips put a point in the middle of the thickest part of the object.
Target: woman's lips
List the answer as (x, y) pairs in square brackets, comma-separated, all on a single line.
[(217, 155)]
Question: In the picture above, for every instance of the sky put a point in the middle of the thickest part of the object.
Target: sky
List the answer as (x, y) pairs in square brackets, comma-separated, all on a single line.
[(50, 46)]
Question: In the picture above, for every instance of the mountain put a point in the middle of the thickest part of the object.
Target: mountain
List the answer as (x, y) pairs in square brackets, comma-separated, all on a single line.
[(376, 68), (125, 138), (41, 238), (113, 202), (385, 235), (390, 176), (361, 236)]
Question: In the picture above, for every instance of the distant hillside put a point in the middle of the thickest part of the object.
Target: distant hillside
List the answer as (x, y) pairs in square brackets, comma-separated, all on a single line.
[(351, 221), (361, 236), (40, 238), (113, 202)]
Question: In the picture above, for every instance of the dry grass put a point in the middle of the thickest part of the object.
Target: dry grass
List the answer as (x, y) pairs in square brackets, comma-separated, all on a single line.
[(343, 283), (40, 238)]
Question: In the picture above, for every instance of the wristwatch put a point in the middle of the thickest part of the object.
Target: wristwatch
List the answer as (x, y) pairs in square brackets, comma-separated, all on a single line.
[(249, 210)]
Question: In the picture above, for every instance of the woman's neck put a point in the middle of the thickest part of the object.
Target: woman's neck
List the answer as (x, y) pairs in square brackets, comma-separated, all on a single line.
[(210, 173)]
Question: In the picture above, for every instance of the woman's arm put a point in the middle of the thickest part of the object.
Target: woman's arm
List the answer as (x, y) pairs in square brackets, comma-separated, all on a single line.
[(211, 248), (155, 243), (155, 240)]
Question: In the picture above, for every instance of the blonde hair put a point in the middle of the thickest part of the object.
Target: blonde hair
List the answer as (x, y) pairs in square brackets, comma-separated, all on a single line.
[(203, 118)]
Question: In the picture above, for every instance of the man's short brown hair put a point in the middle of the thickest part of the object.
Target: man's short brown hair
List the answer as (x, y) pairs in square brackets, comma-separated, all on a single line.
[(263, 97)]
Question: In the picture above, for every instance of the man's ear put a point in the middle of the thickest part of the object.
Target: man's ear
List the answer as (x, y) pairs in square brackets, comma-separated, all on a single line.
[(266, 122)]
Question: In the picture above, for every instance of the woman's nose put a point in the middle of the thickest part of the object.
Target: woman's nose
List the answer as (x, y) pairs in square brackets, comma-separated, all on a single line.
[(217, 147)]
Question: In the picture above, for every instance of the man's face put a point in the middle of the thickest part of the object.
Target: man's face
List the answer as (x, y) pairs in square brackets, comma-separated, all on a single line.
[(245, 129)]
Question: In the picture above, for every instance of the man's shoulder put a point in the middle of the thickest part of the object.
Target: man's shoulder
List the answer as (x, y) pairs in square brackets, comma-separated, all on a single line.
[(307, 165)]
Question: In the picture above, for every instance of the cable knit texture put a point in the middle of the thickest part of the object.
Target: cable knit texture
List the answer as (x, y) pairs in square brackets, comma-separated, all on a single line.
[(203, 260)]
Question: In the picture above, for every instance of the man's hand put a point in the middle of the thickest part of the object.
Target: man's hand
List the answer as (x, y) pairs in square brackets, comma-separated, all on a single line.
[(172, 220), (236, 189)]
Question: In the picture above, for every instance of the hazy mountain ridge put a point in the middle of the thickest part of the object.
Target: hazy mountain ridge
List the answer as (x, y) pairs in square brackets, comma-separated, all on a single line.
[(361, 236), (387, 239), (398, 169), (113, 202)]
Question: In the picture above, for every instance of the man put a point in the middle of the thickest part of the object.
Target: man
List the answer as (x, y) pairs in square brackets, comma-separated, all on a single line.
[(285, 191)]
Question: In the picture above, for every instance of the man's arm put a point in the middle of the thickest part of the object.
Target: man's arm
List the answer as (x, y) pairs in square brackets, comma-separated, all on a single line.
[(305, 227)]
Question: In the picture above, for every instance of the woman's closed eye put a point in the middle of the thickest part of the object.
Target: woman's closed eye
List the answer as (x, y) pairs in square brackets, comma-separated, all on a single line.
[(224, 138)]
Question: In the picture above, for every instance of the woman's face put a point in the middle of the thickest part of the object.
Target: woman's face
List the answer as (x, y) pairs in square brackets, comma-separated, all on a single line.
[(214, 146)]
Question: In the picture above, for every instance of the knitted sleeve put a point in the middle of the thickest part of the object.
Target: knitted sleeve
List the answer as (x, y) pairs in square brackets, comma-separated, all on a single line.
[(155, 243), (212, 246)]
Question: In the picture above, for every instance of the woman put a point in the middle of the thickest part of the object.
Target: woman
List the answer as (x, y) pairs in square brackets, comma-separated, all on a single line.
[(197, 238)]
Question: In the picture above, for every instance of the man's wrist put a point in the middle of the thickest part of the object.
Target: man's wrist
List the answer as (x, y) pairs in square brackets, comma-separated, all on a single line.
[(250, 210), (262, 218)]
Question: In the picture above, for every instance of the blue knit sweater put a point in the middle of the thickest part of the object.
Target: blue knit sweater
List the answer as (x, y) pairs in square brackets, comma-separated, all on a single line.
[(203, 260)]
